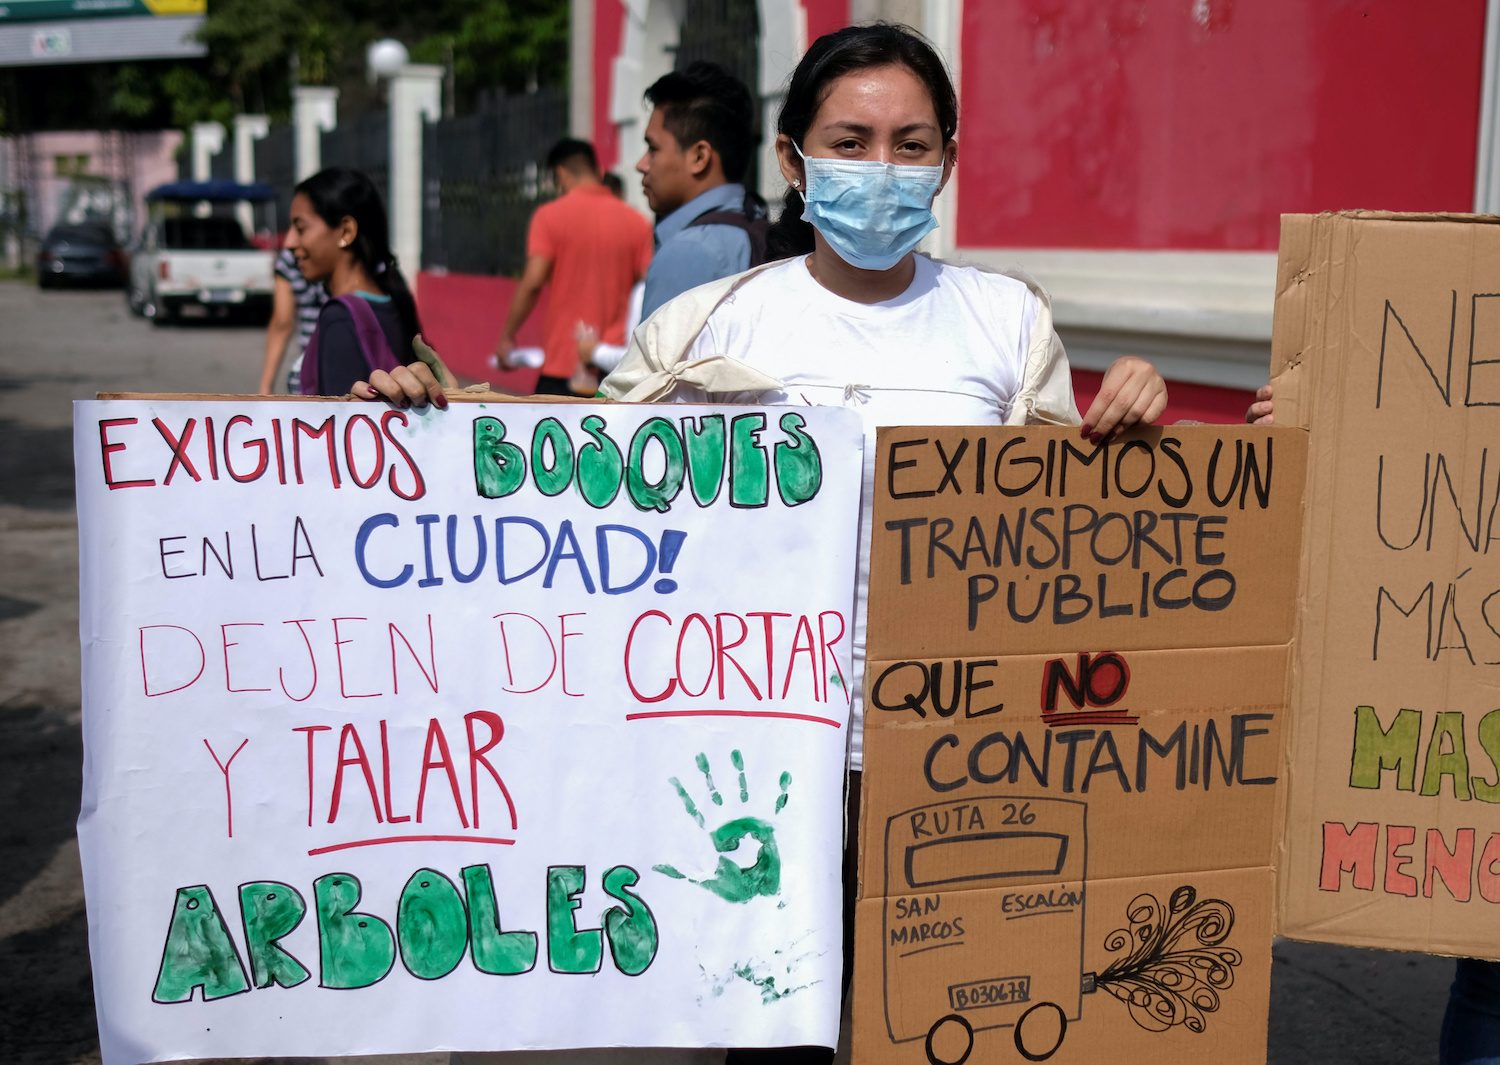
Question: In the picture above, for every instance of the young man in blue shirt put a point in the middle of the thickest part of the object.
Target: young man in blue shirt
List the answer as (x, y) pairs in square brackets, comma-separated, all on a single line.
[(698, 144)]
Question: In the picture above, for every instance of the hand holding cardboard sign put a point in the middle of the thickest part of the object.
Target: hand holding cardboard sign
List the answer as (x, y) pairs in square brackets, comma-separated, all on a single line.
[(1133, 393), (405, 386), (1262, 411)]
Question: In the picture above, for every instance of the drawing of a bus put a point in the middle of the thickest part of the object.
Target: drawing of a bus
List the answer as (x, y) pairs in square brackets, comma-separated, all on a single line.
[(994, 887)]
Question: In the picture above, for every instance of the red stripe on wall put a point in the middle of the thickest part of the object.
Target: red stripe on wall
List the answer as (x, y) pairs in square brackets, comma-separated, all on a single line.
[(825, 16), (462, 315), (1169, 124), (609, 30)]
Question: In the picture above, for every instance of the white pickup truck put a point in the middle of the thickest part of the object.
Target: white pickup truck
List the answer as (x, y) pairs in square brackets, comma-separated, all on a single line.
[(194, 254)]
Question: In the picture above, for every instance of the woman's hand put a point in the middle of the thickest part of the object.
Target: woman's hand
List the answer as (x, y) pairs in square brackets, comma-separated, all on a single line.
[(1262, 411), (405, 386), (1132, 393)]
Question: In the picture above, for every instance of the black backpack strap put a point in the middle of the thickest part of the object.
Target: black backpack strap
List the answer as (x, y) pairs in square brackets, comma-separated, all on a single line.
[(751, 219)]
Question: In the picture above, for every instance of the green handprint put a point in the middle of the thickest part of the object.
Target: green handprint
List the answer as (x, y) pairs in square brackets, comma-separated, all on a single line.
[(733, 882)]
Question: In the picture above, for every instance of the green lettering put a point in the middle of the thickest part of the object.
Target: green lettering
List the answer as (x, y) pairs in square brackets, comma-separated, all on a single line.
[(1377, 749), (749, 469), (632, 930), (1447, 756), (199, 952), (270, 911), (705, 456), (356, 949), (551, 478), (495, 952), (499, 466), (432, 925), (658, 495), (569, 948), (1489, 740), (799, 467), (601, 469)]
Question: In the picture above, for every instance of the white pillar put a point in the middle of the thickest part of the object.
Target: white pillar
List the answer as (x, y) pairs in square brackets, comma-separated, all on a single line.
[(208, 141), (581, 69), (247, 130), (315, 111), (416, 97), (1487, 168), (942, 23)]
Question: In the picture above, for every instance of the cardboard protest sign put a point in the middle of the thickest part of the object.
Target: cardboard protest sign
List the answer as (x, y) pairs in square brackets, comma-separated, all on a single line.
[(1073, 740), (510, 726), (1387, 344)]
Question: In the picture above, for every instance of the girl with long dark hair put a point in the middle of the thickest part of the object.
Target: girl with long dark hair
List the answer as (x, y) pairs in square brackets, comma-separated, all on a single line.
[(340, 237)]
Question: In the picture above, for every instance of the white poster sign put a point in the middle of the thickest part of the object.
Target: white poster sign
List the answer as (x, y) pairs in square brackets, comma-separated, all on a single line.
[(508, 726)]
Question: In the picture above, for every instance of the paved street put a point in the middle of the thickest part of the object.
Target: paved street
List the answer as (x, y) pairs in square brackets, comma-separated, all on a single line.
[(1330, 1005)]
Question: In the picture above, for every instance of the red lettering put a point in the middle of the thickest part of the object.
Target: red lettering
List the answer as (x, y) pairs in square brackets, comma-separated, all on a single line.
[(477, 758), (431, 677), (445, 763), (725, 656), (379, 465), (257, 445), (145, 673), (1346, 850), (228, 643), (827, 646), (300, 429), (179, 448), (311, 658), (311, 731), (363, 762), (385, 775), (1454, 867), (108, 447), (1397, 882), (419, 486), (801, 646), (510, 675), (682, 634), (564, 634), (338, 650), (629, 679), (228, 792), (1489, 881)]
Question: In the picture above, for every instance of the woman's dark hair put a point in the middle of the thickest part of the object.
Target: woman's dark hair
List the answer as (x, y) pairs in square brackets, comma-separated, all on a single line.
[(831, 57), (338, 193)]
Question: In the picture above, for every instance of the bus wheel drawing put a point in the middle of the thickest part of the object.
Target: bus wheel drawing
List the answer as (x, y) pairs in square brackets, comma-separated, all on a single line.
[(964, 1034), (1176, 966), (1026, 1036)]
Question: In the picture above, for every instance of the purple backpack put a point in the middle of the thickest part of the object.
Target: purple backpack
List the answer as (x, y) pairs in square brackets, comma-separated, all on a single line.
[(372, 343)]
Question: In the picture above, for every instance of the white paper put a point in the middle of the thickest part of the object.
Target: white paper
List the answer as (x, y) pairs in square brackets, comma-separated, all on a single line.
[(553, 711)]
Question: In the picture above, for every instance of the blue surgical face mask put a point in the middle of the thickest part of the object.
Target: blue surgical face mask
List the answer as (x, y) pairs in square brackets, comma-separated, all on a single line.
[(871, 213)]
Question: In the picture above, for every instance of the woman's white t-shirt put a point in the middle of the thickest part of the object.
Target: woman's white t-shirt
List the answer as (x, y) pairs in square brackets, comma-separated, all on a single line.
[(950, 350)]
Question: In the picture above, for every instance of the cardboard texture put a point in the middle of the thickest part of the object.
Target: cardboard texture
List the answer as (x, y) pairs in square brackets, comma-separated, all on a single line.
[(1387, 344), (1074, 710)]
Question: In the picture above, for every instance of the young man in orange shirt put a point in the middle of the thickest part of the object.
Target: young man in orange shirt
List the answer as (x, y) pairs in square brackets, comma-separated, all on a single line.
[(590, 248)]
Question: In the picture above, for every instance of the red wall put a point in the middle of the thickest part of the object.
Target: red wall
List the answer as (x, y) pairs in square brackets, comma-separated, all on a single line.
[(825, 16), (462, 315), (1195, 123), (609, 30)]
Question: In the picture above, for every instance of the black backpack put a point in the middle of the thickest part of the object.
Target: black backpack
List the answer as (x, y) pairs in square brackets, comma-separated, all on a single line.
[(751, 218)]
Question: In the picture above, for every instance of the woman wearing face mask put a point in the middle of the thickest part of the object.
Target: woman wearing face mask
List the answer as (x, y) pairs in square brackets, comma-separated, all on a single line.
[(851, 315)]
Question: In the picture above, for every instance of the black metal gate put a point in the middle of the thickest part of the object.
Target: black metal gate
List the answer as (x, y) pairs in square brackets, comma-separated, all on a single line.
[(484, 176), (363, 143), (726, 32), (276, 165)]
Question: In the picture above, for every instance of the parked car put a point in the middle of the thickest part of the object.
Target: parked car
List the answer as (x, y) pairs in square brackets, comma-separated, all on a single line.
[(80, 253), (195, 253)]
